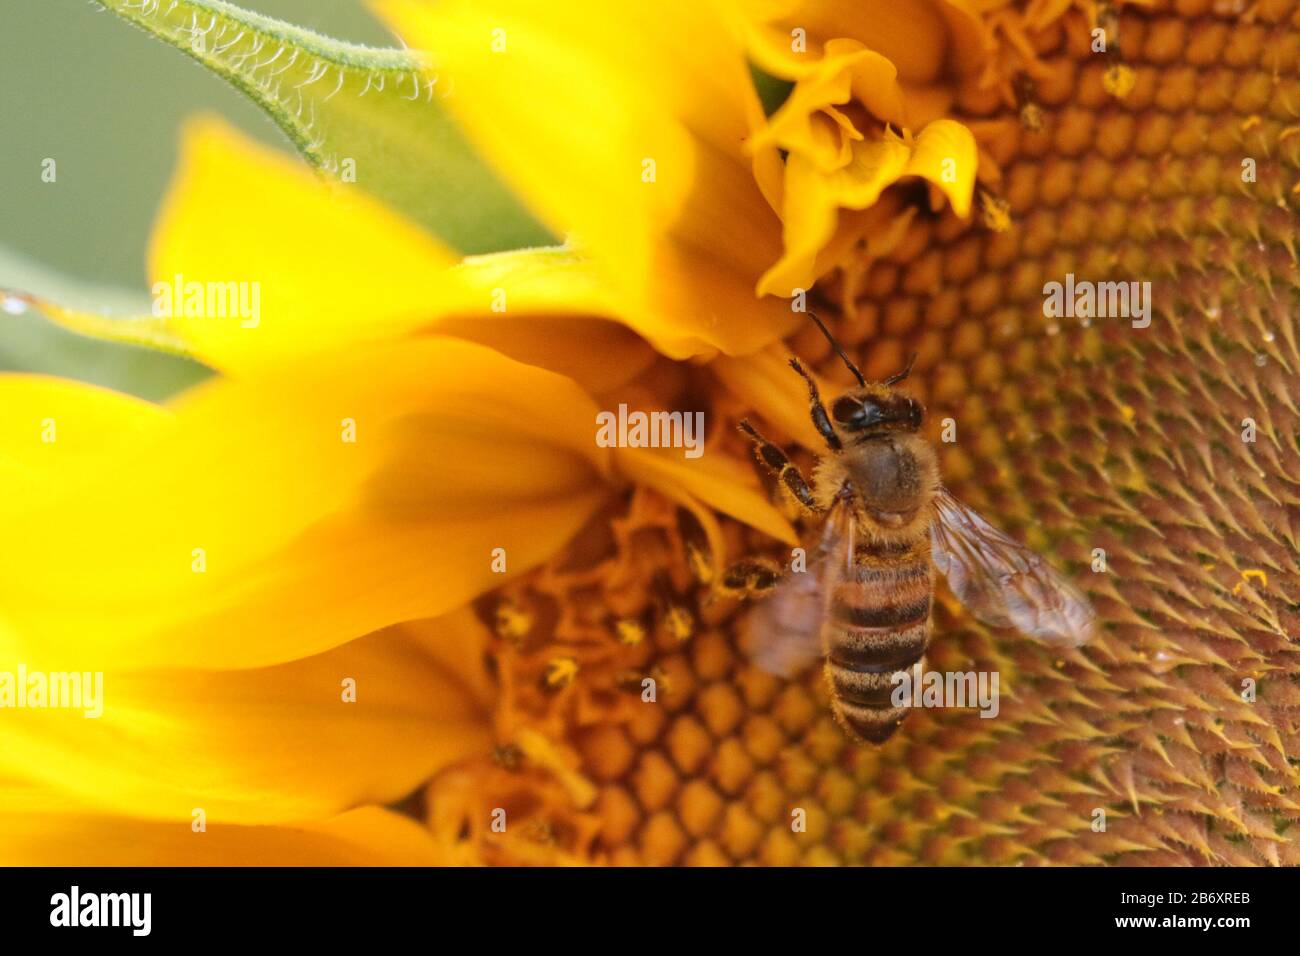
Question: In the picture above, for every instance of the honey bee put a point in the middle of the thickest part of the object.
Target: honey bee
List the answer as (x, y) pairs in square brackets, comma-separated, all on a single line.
[(864, 602)]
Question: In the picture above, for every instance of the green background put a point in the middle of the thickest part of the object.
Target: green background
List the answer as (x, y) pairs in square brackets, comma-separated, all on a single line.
[(106, 101)]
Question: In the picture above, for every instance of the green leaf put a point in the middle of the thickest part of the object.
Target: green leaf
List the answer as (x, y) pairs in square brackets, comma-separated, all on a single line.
[(352, 111)]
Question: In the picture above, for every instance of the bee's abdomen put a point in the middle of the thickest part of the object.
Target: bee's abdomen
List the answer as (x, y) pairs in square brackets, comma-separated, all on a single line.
[(878, 626)]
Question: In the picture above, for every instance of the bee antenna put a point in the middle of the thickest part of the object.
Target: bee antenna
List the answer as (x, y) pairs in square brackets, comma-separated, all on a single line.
[(899, 376), (839, 350)]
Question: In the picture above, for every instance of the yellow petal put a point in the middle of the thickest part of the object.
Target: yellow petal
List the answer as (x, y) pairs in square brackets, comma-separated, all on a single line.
[(557, 96), (969, 44), (812, 201), (53, 427), (866, 234), (367, 836), (267, 744), (774, 49), (634, 148), (334, 267), (564, 344), (847, 71), (925, 39), (551, 293), (251, 530), (320, 264), (703, 309), (925, 104), (721, 482), (545, 307), (945, 153), (766, 383)]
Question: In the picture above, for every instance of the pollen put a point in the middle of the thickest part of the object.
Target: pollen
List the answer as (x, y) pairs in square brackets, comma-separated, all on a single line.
[(1247, 575), (1119, 80), (630, 632), (512, 621), (995, 213), (561, 672), (679, 623)]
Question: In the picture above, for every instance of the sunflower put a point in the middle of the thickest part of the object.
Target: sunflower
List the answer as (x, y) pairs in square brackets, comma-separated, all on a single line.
[(618, 719), (212, 622)]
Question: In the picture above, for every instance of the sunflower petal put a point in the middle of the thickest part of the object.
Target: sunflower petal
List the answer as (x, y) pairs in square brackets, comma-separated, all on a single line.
[(545, 307), (634, 148), (317, 264), (276, 516), (847, 71), (365, 722), (924, 39), (721, 482), (813, 199), (367, 836), (945, 154), (766, 383), (53, 427)]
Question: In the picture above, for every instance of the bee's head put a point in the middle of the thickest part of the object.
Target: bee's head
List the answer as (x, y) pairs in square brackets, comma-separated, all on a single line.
[(874, 410)]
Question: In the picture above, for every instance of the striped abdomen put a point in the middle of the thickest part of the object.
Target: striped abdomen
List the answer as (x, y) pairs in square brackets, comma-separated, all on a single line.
[(877, 625)]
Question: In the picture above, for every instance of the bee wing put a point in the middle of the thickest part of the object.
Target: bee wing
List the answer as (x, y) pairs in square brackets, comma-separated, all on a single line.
[(1003, 583), (782, 633)]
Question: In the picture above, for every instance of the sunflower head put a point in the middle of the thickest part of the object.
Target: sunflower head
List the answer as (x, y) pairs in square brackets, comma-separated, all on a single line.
[(1072, 224)]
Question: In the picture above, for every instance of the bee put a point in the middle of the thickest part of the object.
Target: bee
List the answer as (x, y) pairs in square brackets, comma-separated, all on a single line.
[(863, 604)]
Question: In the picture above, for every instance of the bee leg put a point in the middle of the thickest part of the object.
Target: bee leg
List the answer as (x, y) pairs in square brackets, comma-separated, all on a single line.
[(776, 461), (821, 421), (749, 577)]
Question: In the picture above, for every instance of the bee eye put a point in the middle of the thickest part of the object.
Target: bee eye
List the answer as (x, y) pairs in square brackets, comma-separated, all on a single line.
[(914, 413), (846, 410), (855, 413)]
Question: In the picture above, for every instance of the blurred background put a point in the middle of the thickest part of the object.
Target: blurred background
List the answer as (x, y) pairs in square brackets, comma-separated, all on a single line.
[(106, 101)]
